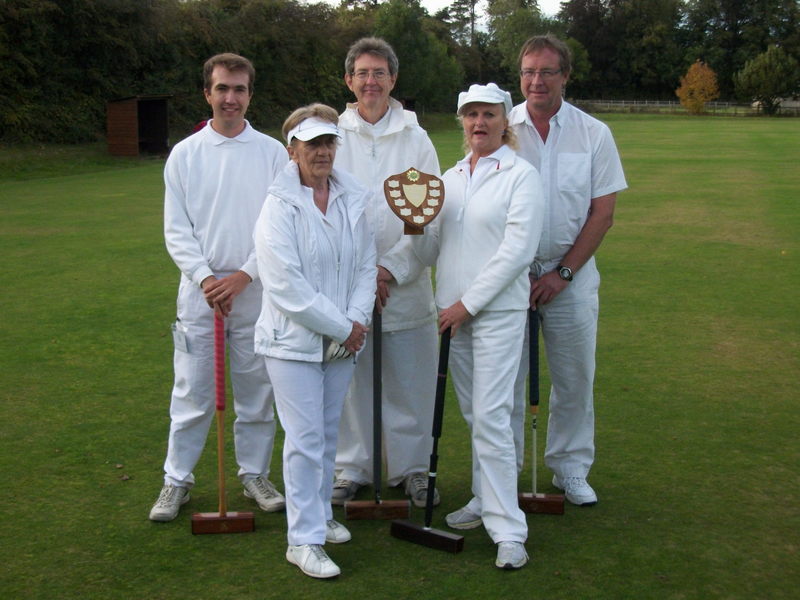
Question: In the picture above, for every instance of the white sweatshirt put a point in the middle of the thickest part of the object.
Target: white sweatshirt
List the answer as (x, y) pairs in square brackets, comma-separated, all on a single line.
[(215, 187), (371, 153)]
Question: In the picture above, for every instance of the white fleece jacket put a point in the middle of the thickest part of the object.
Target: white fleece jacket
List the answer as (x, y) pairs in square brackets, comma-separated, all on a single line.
[(295, 313)]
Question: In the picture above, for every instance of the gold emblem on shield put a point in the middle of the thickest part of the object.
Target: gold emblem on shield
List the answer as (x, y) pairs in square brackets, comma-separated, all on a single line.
[(415, 197)]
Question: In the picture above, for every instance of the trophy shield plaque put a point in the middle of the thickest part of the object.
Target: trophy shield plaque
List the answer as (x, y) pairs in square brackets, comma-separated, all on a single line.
[(415, 197)]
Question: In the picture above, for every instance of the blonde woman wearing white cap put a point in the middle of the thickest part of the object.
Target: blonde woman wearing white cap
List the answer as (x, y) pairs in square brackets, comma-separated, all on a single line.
[(316, 257), (482, 243)]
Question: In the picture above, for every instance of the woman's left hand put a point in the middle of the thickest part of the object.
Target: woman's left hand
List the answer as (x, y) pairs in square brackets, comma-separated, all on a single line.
[(453, 317)]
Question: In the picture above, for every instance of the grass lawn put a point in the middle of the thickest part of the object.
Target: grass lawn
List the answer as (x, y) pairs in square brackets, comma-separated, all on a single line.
[(698, 464)]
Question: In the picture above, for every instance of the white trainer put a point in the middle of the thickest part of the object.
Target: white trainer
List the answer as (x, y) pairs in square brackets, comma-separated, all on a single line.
[(265, 494), (416, 487), (576, 489), (336, 533), (169, 503), (312, 560), (343, 490), (511, 555), (463, 518)]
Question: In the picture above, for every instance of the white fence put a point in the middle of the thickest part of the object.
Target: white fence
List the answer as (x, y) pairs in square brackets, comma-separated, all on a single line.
[(674, 107)]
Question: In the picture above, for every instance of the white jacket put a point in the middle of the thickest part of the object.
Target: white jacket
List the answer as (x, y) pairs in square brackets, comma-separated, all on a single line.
[(295, 315), (403, 144), (215, 187), (484, 239)]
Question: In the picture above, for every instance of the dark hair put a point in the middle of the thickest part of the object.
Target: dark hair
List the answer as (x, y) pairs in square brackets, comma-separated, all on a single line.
[(549, 41), (232, 62)]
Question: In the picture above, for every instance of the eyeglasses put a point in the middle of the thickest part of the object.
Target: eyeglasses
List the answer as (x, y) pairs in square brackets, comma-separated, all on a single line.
[(377, 74), (545, 74)]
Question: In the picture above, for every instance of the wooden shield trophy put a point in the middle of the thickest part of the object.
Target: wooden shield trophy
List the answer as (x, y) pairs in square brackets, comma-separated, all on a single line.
[(415, 197)]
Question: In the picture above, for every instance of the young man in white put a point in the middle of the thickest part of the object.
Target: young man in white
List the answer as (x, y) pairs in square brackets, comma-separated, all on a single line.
[(581, 174), (380, 139), (216, 181)]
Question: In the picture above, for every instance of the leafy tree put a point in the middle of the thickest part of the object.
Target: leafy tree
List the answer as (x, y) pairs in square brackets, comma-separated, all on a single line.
[(461, 16), (646, 57), (698, 87), (429, 77), (587, 21), (727, 33), (511, 22), (768, 78)]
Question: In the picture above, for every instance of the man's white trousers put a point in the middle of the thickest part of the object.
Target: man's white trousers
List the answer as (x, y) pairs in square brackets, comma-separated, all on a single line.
[(569, 331), (309, 397), (484, 362), (192, 408), (409, 386)]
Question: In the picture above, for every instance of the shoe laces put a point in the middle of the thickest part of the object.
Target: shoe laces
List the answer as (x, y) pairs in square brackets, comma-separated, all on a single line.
[(318, 552), (167, 497), (265, 487), (574, 483), (418, 481)]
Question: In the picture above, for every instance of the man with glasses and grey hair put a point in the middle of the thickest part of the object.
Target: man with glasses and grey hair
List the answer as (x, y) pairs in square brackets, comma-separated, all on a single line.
[(379, 139), (581, 175)]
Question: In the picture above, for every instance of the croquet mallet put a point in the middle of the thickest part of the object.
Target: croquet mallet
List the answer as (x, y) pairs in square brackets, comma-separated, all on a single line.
[(406, 529), (549, 504), (379, 508), (222, 521)]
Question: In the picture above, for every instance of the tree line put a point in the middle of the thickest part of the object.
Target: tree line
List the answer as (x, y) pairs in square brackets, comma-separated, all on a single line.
[(63, 61)]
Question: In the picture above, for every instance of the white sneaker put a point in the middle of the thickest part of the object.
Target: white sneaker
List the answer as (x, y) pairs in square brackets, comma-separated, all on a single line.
[(336, 533), (416, 486), (511, 555), (463, 518), (169, 503), (344, 490), (576, 490), (265, 494), (312, 560)]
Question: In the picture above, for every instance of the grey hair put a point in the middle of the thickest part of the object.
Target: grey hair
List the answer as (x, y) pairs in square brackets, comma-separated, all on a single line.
[(374, 46)]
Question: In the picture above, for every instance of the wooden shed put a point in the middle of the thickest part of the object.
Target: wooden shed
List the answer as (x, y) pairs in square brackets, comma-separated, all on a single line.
[(137, 125)]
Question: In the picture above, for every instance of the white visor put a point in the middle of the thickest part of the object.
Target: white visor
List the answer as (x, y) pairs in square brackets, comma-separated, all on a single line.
[(310, 128)]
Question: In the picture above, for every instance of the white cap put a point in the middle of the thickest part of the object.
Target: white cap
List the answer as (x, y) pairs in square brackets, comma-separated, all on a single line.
[(489, 94), (312, 127)]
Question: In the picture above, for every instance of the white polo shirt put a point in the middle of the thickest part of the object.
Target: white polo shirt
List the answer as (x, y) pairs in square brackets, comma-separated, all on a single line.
[(578, 162), (215, 187)]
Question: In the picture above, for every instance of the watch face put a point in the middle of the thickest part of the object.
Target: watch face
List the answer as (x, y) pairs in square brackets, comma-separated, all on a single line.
[(565, 273)]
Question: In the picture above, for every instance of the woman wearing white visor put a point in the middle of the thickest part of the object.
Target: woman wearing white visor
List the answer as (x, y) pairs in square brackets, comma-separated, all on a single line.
[(483, 242), (316, 257)]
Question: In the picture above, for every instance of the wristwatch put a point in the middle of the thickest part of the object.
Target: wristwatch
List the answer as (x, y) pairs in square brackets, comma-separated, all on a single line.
[(564, 272)]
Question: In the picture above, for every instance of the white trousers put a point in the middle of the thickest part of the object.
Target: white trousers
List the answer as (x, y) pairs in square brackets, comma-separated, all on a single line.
[(484, 362), (409, 386), (192, 408), (309, 397), (569, 331)]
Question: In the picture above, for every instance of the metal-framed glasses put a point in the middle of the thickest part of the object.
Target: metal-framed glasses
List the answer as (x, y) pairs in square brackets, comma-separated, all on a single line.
[(377, 74), (545, 74)]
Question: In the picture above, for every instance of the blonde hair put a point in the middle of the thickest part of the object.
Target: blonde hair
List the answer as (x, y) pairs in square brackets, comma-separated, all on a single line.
[(317, 109), (509, 137)]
